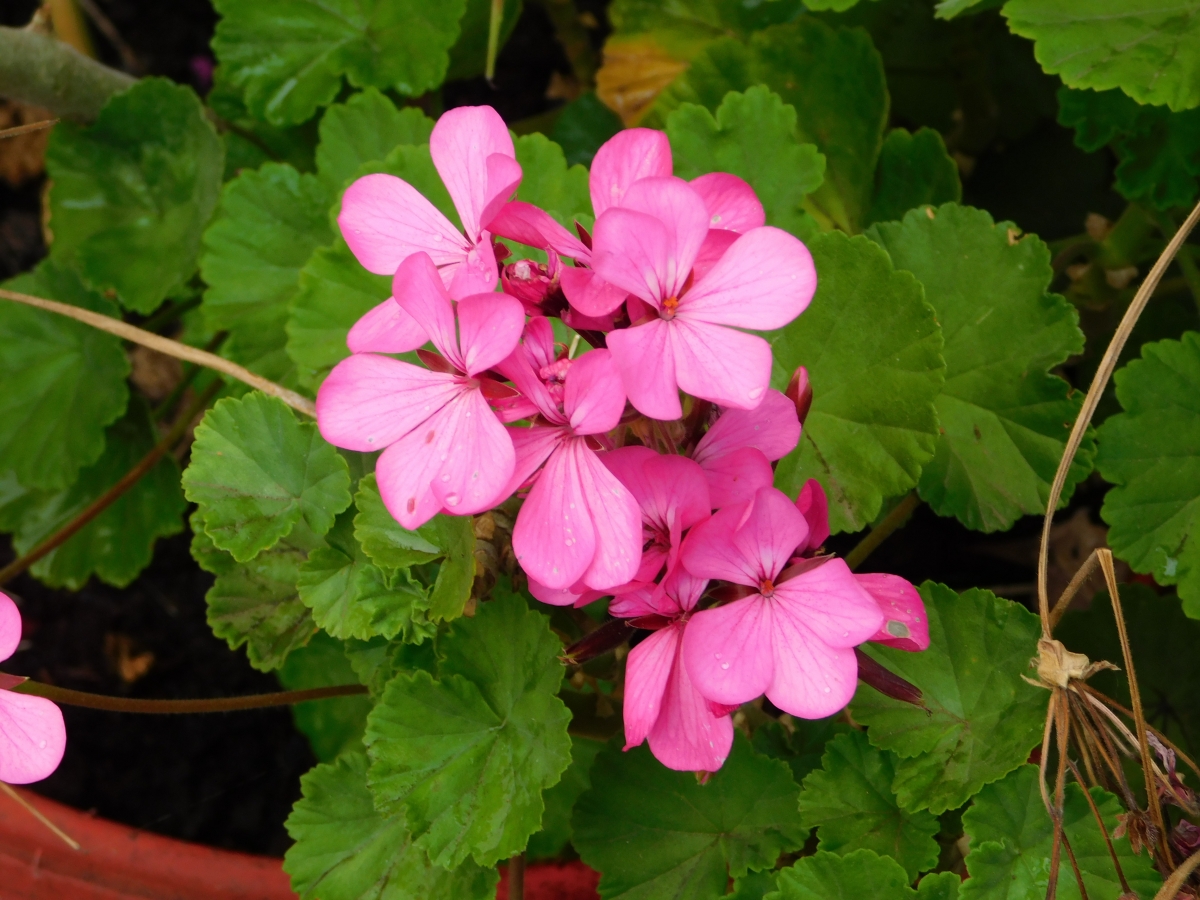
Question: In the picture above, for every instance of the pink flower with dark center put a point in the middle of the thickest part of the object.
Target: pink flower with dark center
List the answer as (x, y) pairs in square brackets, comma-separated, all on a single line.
[(737, 451), (793, 638), (445, 447), (33, 736)]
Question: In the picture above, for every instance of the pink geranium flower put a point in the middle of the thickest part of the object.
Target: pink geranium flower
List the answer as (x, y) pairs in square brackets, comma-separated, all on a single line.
[(33, 736), (793, 638), (680, 336), (445, 447), (737, 451), (662, 704)]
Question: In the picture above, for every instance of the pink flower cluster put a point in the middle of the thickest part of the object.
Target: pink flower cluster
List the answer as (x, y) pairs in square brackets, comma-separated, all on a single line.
[(645, 462)]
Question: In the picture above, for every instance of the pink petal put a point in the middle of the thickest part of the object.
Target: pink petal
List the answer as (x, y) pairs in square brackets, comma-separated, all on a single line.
[(461, 142), (830, 603), (716, 242), (418, 289), (636, 253), (33, 738), (687, 736), (518, 368), (905, 626), (683, 588), (746, 543), (814, 506), (641, 599), (477, 274), (672, 202), (576, 595), (615, 517), (386, 329), (647, 670), (678, 492), (628, 463), (593, 396), (726, 366), (532, 447), (503, 178), (489, 327), (643, 355), (771, 427), (727, 650), (737, 476), (554, 539), (811, 679), (526, 224), (369, 401), (764, 280), (731, 203), (589, 293), (10, 626), (385, 220), (623, 159), (539, 341)]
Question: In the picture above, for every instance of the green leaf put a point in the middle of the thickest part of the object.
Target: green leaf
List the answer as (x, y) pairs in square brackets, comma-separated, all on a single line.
[(1004, 418), (252, 142), (268, 224), (256, 471), (469, 55), (753, 136), (939, 886), (289, 56), (582, 127), (872, 348), (548, 182), (468, 754), (753, 886), (1098, 117), (1011, 837), (377, 661), (802, 747), (118, 543), (826, 876), (367, 127), (652, 832), (1150, 51), (1151, 453), (333, 725), (133, 192), (61, 381), (850, 802), (982, 718), (914, 170), (560, 800), (345, 850)]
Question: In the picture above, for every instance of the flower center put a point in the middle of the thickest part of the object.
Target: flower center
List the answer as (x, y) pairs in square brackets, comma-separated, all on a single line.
[(669, 306), (767, 588)]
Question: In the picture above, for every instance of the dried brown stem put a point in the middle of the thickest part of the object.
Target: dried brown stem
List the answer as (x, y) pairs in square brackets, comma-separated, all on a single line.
[(33, 811), (1085, 571), (26, 129), (1172, 886), (1112, 851), (1104, 698)]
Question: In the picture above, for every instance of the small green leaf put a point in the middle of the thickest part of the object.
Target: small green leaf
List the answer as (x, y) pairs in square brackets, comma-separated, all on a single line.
[(826, 876), (850, 803), (345, 850), (367, 127), (753, 136), (982, 718), (653, 833), (1098, 117), (333, 725), (468, 754), (1011, 837), (802, 747), (1004, 418), (1150, 51), (548, 182), (939, 886), (1151, 453), (872, 348), (133, 192), (582, 127), (61, 381), (560, 800), (256, 471), (289, 56), (377, 661), (753, 886), (914, 170)]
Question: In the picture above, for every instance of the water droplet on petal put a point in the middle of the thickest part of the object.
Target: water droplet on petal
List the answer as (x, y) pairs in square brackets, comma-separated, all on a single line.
[(827, 690), (41, 745), (755, 393), (717, 655), (437, 238), (452, 499), (445, 476), (724, 665)]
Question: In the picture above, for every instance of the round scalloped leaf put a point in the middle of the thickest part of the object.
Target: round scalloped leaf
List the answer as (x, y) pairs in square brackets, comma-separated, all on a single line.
[(827, 876), (367, 127), (914, 170)]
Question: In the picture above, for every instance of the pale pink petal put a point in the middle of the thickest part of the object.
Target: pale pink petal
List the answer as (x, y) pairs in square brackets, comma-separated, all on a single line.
[(489, 327), (461, 142), (385, 220), (716, 242), (10, 626), (616, 518), (724, 365), (763, 281), (709, 550), (641, 599), (532, 447), (33, 738), (905, 626), (727, 650), (527, 224), (830, 603), (593, 396), (517, 368), (386, 329), (746, 543), (559, 596), (477, 274), (589, 293), (811, 679), (636, 253), (643, 355), (554, 539), (731, 203), (814, 506), (672, 202), (369, 401), (683, 589), (686, 736), (647, 669), (771, 427), (503, 178), (420, 292), (628, 156), (737, 476)]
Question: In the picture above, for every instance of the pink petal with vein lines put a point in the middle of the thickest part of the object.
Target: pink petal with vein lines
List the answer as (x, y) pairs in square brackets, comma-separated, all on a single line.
[(628, 156), (461, 142), (420, 293), (10, 626), (385, 220), (731, 203), (386, 329), (726, 366), (593, 396), (489, 327), (33, 738), (772, 427), (727, 650), (644, 357), (673, 203)]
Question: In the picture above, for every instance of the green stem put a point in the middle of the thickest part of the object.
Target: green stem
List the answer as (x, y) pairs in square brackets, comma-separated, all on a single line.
[(161, 707), (43, 71), (493, 47), (881, 532)]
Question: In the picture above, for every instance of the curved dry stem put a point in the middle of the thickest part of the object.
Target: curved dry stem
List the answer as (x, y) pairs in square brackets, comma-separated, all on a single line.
[(1172, 886), (169, 347)]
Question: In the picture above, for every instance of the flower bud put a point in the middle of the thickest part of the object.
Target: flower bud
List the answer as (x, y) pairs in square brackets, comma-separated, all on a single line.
[(799, 391), (885, 681), (535, 284)]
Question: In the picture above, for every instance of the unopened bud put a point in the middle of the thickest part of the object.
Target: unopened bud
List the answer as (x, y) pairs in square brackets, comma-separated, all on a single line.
[(886, 682), (799, 391), (535, 284), (607, 637)]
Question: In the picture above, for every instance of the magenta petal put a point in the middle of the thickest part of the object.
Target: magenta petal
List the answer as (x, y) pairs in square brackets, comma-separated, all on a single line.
[(647, 670), (461, 142), (814, 506), (811, 679), (589, 293), (476, 274), (10, 626), (831, 605), (726, 366), (386, 329), (503, 177), (418, 289), (727, 650), (554, 539), (33, 738), (615, 517), (628, 156), (369, 401), (517, 367), (385, 220), (905, 626), (731, 203), (628, 464), (678, 495), (636, 252), (716, 242), (593, 396), (672, 202), (556, 596), (687, 736), (771, 427), (737, 476), (644, 358), (764, 280), (533, 447), (526, 224), (489, 327), (746, 543)]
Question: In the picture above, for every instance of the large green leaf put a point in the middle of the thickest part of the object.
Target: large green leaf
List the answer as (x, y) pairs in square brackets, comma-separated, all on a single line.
[(872, 348), (256, 471), (468, 754), (367, 127), (752, 135), (802, 746), (1148, 49), (333, 725), (850, 802), (61, 382), (656, 833), (981, 719), (1004, 418), (132, 193), (547, 181), (251, 142), (914, 170), (826, 876), (289, 56), (345, 850), (1011, 837), (1151, 453)]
